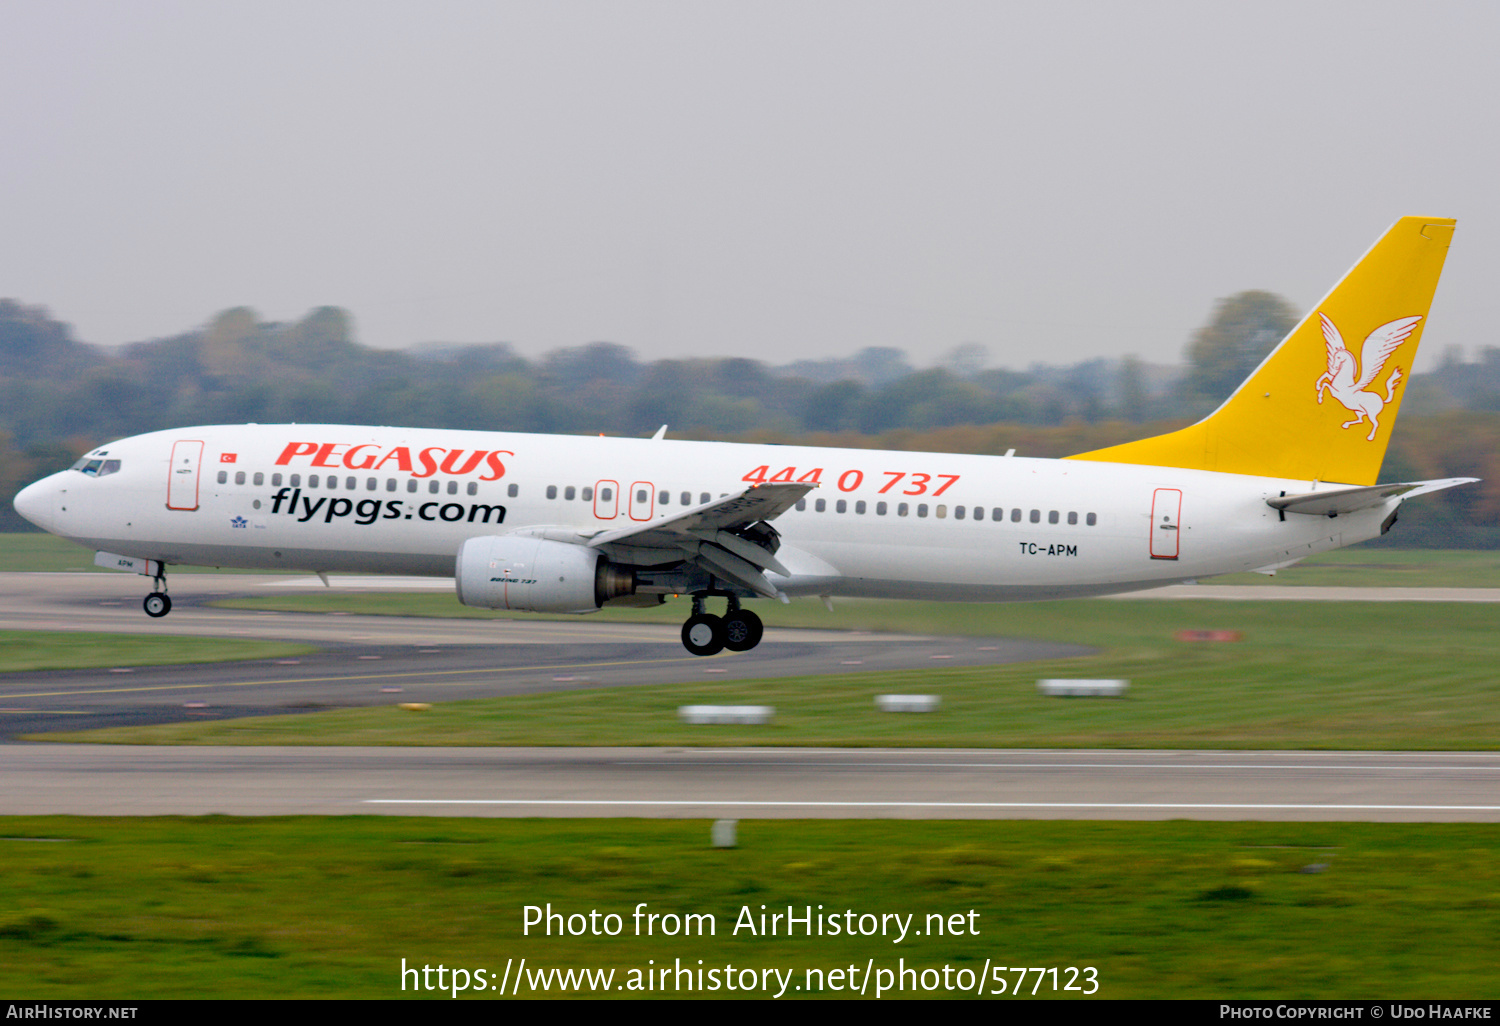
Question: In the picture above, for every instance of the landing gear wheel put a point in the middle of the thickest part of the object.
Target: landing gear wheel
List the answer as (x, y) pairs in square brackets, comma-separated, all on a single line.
[(703, 635), (158, 604), (742, 630)]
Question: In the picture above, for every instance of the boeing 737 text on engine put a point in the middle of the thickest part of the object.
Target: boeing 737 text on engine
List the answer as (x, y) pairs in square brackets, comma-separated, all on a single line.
[(1285, 468)]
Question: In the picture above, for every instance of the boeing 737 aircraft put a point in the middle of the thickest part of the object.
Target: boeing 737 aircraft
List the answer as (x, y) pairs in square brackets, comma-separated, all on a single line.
[(1285, 468)]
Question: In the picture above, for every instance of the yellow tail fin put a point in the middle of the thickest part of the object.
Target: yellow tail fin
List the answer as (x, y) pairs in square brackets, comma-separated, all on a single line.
[(1321, 406)]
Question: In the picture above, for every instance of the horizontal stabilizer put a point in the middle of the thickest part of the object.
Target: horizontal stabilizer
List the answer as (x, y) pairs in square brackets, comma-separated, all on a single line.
[(1334, 501)]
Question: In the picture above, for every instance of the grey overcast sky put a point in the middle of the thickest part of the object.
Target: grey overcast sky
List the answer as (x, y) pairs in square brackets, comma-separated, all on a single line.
[(1054, 180)]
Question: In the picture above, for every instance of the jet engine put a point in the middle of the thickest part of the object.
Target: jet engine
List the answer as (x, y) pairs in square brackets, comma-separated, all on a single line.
[(536, 575)]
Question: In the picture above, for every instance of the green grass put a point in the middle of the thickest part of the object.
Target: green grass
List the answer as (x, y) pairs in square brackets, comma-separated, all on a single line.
[(1306, 676), (53, 650), (327, 908)]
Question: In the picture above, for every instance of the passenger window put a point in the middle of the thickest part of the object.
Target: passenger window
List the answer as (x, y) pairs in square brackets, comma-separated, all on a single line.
[(432, 487), (859, 507), (371, 484), (921, 509), (640, 495), (801, 505), (390, 484), (223, 477), (588, 494), (452, 487), (515, 490), (411, 484), (821, 505), (958, 512), (473, 488), (1052, 517), (259, 479), (704, 497), (295, 481), (687, 498), (552, 491), (901, 509), (942, 511), (664, 499), (569, 493), (1072, 517), (880, 509), (606, 494), (275, 480), (1036, 516), (1015, 516), (239, 477), (1091, 519), (841, 506)]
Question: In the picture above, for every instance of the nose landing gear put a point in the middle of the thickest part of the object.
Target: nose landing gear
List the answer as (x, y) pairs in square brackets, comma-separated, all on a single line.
[(738, 630), (158, 603)]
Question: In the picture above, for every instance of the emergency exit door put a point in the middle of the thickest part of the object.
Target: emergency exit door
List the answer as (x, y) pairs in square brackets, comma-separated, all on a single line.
[(1166, 514)]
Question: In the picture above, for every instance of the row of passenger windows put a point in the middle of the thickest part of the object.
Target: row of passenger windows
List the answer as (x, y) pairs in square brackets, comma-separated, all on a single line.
[(351, 484), (664, 498), (642, 495), (940, 511)]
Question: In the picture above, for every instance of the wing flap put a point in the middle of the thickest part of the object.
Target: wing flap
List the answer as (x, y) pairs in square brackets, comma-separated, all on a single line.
[(705, 535)]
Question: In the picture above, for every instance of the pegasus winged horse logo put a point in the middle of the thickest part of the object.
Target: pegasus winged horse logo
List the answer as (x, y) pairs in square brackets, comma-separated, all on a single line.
[(1343, 369)]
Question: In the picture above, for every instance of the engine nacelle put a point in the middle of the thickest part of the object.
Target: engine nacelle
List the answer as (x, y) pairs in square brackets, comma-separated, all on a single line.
[(535, 575)]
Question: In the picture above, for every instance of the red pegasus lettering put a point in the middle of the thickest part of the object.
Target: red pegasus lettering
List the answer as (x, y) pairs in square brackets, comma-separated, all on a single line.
[(325, 452), (401, 454), (296, 449), (366, 463), (493, 459), (453, 456), (429, 463)]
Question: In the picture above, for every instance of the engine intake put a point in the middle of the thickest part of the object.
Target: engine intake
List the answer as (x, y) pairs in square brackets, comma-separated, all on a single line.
[(536, 575)]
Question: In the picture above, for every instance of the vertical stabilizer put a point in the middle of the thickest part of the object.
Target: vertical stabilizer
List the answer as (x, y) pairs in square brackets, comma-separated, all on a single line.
[(1321, 406)]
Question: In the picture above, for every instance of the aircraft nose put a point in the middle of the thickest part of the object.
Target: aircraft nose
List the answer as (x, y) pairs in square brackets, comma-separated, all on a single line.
[(37, 503)]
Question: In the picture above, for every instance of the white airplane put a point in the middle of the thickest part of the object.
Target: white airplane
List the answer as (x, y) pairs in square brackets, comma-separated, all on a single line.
[(570, 524)]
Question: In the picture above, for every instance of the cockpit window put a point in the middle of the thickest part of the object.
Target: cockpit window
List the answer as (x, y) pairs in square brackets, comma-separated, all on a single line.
[(95, 467)]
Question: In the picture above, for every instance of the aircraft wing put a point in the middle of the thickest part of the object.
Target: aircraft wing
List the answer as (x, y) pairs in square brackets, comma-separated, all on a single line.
[(1334, 501), (717, 536)]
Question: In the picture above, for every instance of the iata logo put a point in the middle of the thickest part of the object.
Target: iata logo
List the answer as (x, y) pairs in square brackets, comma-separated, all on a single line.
[(239, 522), (431, 460), (1345, 381)]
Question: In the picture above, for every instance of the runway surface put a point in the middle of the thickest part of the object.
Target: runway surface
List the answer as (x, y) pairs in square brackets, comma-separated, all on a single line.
[(365, 660), (751, 783)]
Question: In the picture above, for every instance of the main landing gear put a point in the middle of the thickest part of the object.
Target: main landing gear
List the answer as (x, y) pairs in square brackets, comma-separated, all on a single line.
[(158, 603), (738, 630)]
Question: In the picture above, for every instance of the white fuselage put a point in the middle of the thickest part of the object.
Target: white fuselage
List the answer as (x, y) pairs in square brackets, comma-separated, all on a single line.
[(880, 524)]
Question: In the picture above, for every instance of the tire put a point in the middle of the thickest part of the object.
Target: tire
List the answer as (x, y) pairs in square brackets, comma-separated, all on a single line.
[(157, 604), (703, 635), (742, 630)]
